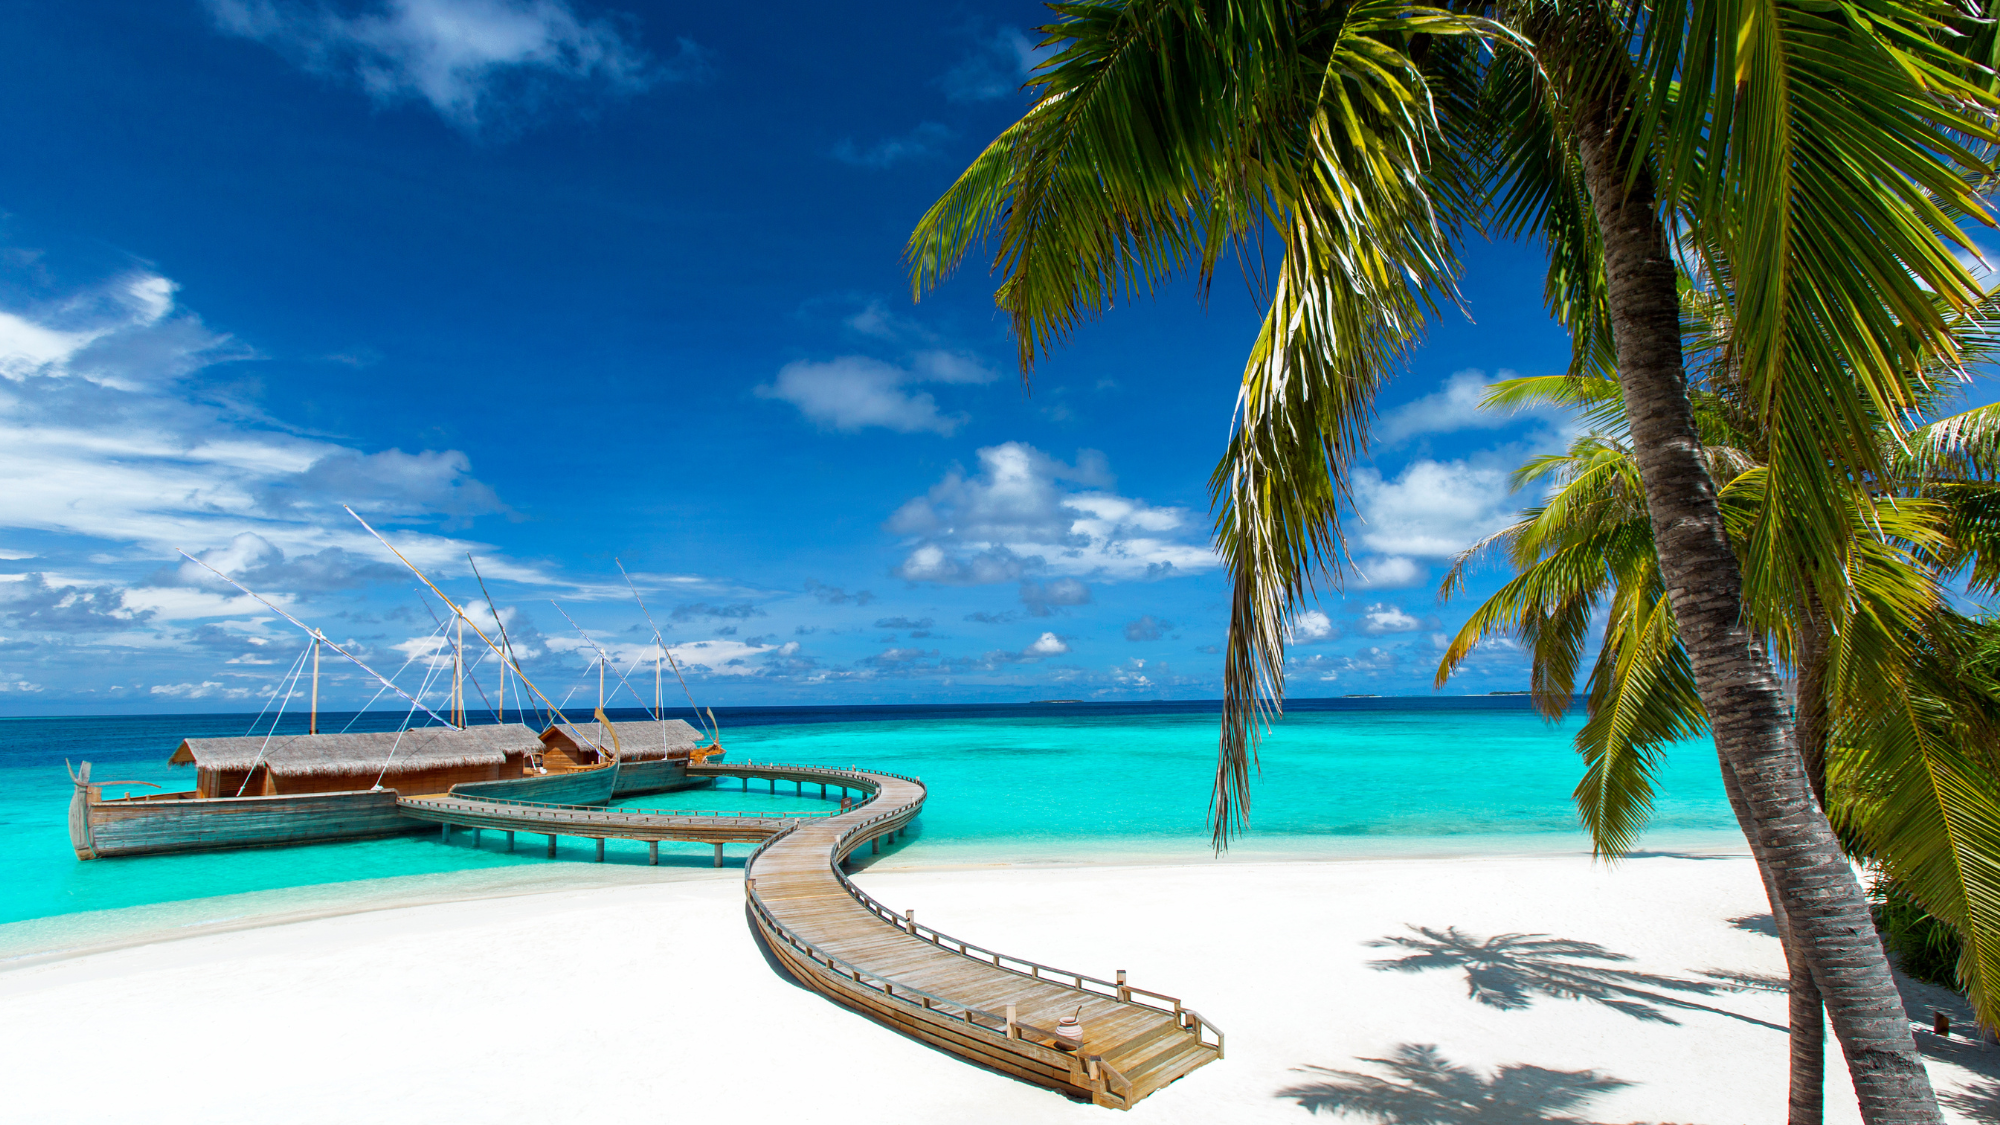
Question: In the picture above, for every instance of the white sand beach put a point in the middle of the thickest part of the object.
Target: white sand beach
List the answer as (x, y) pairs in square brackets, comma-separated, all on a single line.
[(649, 1000)]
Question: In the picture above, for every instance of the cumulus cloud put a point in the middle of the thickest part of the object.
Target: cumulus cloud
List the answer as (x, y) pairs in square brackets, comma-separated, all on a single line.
[(1025, 512), (1385, 618), (1433, 509), (731, 611), (261, 565), (1387, 572), (1313, 626), (109, 429), (1048, 644), (835, 595), (39, 606), (854, 392), (1044, 598), (923, 140), (904, 623), (996, 68), (463, 57), (1147, 628), (1453, 407)]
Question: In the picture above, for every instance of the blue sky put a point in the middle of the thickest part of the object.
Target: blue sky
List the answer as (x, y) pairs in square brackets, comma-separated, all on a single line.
[(558, 282)]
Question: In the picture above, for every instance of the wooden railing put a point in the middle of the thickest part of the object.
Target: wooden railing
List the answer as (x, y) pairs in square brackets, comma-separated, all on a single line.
[(1119, 990), (993, 1023), (593, 814), (519, 802), (1186, 1018)]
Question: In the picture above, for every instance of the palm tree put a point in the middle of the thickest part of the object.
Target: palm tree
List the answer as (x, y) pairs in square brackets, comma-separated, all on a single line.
[(1902, 744), (1817, 158)]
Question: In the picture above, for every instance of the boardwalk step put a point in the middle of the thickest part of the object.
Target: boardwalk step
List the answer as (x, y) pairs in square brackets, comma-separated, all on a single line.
[(1172, 1061)]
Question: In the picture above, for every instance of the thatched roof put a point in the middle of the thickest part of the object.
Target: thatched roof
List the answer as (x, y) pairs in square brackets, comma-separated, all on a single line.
[(422, 748), (639, 740)]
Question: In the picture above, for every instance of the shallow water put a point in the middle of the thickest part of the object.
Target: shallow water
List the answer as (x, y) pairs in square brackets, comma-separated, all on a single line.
[(1008, 784)]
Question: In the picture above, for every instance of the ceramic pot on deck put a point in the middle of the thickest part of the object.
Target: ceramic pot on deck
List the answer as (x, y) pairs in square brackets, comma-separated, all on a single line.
[(1069, 1028)]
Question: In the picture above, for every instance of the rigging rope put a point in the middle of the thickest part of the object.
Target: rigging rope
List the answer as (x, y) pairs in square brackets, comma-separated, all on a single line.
[(298, 666)]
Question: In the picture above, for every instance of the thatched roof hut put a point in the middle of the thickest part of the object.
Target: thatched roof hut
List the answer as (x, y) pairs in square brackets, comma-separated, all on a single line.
[(421, 760), (639, 740)]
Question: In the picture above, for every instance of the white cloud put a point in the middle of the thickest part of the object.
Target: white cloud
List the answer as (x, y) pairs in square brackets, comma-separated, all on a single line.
[(1385, 618), (19, 685), (1048, 644), (923, 140), (1455, 406), (206, 689), (996, 68), (104, 435), (1015, 517), (1312, 625), (854, 392), (1387, 572), (461, 56), (1434, 509)]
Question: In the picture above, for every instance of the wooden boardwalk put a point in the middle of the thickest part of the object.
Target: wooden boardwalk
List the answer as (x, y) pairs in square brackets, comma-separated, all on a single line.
[(991, 1008)]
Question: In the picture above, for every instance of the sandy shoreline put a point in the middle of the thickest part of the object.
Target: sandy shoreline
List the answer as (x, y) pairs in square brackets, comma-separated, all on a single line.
[(577, 993)]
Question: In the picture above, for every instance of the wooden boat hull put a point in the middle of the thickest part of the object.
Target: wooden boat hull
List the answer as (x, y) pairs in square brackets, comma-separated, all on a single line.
[(575, 787), (177, 823)]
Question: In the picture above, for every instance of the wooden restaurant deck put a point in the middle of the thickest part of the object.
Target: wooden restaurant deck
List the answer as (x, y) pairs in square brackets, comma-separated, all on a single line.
[(987, 1007)]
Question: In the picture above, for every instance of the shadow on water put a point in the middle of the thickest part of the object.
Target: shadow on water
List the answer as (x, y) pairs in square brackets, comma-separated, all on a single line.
[(1422, 1088), (1508, 971)]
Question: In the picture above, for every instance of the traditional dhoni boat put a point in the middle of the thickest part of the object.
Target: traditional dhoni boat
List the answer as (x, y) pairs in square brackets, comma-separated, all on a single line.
[(267, 789)]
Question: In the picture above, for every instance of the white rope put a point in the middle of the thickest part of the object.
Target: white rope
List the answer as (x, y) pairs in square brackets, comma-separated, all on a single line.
[(715, 735), (298, 666), (385, 687), (405, 729)]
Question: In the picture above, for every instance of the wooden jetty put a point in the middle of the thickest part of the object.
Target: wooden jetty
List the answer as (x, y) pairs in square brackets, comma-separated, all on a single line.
[(991, 1008)]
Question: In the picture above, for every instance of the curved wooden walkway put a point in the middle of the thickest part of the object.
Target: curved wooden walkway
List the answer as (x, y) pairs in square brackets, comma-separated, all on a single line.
[(988, 1007)]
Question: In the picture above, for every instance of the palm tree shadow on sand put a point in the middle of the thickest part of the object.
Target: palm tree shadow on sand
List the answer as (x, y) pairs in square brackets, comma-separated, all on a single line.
[(1422, 1088), (1507, 971)]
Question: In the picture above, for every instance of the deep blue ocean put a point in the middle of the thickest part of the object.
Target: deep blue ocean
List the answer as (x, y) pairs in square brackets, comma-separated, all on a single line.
[(1020, 783)]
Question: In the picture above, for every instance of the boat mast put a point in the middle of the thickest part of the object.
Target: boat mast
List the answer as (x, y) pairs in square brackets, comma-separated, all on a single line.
[(312, 717), (458, 675)]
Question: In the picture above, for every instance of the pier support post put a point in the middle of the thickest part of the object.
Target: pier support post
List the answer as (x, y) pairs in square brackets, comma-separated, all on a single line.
[(600, 849), (552, 845), (444, 832), (822, 790), (718, 855), (875, 846), (476, 834), (510, 839)]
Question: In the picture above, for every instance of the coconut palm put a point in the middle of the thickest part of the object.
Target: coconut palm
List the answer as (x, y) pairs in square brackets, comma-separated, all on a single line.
[(1816, 158), (1902, 743)]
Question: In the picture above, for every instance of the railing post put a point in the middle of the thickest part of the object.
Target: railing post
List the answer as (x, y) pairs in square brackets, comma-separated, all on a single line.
[(1124, 993), (910, 920), (1013, 1028)]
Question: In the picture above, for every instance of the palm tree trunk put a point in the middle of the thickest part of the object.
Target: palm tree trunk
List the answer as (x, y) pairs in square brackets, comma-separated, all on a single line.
[(1807, 1018), (1823, 902)]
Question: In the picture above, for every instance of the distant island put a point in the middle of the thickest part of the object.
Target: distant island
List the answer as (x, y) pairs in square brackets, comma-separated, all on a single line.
[(1510, 693), (1057, 701), (1361, 695)]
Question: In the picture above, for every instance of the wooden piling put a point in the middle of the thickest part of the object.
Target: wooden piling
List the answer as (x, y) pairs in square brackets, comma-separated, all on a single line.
[(600, 849), (444, 832), (510, 839), (552, 845), (476, 834), (718, 855)]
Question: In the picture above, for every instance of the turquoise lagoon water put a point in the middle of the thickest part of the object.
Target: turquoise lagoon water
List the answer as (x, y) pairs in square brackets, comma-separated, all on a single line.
[(1008, 784)]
